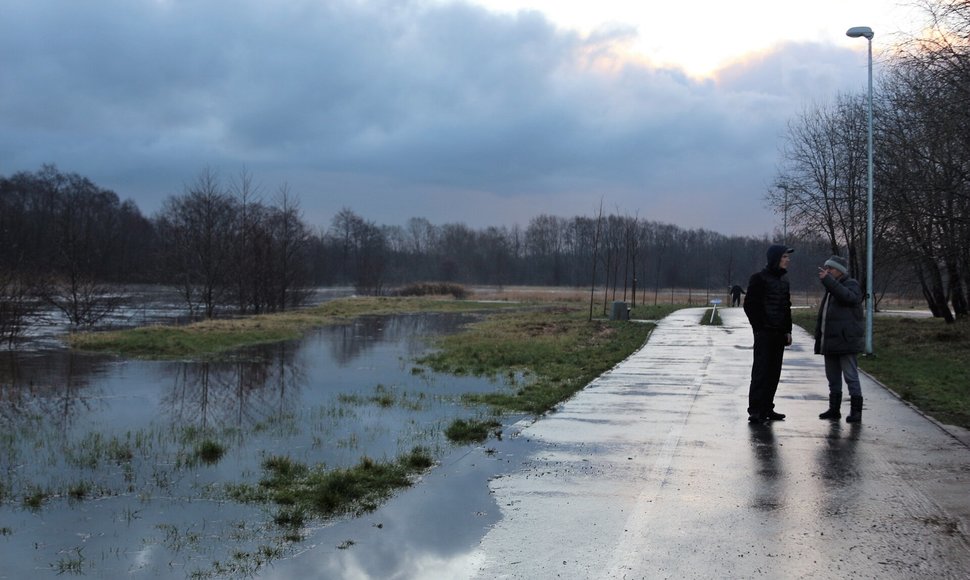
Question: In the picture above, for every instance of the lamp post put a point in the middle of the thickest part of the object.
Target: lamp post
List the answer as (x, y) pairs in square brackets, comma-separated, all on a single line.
[(857, 32)]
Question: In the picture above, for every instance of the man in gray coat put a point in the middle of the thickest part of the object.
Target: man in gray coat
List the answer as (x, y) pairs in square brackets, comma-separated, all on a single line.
[(840, 336)]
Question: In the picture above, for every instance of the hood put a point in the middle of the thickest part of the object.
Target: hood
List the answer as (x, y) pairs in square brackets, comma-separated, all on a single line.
[(775, 253)]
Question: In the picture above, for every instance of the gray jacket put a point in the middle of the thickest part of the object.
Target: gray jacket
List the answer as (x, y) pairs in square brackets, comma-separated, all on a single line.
[(839, 326)]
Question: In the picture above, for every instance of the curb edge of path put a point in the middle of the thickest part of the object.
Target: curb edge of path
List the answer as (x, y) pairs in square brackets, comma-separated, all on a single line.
[(960, 434)]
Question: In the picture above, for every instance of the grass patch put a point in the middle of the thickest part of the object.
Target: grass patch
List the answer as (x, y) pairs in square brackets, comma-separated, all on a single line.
[(472, 430), (291, 517), (712, 317), (385, 398), (209, 451), (216, 336), (36, 498), (79, 491), (303, 490), (924, 360), (556, 347)]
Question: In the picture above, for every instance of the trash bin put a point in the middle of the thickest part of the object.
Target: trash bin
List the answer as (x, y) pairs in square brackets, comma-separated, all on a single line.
[(620, 311)]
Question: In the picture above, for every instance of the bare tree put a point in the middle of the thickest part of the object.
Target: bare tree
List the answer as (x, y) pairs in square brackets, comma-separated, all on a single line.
[(291, 240), (83, 230), (197, 232), (596, 245), (926, 167), (249, 258), (821, 186), (18, 305)]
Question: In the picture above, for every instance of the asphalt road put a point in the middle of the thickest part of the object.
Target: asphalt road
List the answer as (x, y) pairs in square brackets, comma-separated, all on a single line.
[(653, 472)]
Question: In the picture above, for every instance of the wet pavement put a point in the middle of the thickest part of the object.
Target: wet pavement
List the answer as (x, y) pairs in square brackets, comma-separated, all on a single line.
[(653, 472)]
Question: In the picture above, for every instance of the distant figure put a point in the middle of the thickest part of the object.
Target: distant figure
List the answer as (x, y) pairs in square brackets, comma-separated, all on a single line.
[(839, 336), (768, 308), (736, 292)]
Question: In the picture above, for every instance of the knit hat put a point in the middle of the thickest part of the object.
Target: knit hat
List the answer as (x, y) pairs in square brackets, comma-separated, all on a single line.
[(838, 263)]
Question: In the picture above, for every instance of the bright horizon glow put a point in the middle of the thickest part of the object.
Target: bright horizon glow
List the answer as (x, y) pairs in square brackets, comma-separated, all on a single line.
[(703, 36)]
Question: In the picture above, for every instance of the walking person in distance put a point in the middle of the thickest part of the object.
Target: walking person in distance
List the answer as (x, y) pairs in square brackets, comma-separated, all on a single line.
[(736, 292), (767, 304), (840, 336)]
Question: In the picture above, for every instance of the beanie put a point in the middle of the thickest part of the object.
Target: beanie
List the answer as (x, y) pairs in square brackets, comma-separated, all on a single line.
[(838, 263)]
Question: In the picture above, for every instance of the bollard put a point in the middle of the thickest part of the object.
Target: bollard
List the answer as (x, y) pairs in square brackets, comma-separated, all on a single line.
[(620, 311)]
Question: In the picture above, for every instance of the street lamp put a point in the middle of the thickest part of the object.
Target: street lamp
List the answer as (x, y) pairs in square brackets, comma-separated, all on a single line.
[(857, 32)]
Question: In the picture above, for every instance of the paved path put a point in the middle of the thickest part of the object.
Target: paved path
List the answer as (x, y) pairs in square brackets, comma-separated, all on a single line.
[(653, 472)]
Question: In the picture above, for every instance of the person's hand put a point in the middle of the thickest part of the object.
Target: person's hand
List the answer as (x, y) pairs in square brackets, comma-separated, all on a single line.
[(822, 273), (788, 339)]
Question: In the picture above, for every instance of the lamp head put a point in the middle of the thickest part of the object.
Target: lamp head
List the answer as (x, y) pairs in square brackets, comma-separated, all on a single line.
[(859, 31)]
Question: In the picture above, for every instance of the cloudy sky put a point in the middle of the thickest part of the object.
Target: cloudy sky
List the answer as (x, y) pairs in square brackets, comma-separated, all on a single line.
[(484, 112)]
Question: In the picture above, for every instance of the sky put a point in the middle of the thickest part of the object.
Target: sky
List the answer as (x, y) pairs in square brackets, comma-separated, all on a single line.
[(486, 113)]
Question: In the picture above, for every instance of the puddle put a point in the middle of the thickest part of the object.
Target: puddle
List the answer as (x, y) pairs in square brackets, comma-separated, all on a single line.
[(101, 473)]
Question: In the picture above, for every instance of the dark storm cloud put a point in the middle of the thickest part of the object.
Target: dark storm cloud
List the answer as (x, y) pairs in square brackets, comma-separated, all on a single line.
[(394, 106)]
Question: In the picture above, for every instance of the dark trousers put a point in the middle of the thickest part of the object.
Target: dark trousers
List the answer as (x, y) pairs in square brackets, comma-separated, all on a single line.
[(769, 349)]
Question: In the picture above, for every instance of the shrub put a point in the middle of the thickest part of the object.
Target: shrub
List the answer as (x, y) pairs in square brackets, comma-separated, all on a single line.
[(434, 289)]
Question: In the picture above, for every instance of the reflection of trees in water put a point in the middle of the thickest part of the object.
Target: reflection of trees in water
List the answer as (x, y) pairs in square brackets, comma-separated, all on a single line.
[(51, 390), (350, 341), (237, 393)]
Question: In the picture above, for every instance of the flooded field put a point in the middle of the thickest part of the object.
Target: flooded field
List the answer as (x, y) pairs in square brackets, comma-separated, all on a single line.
[(121, 468)]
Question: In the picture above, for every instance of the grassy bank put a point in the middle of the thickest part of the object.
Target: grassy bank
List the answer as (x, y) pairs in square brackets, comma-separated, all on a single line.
[(924, 360), (216, 336), (557, 349)]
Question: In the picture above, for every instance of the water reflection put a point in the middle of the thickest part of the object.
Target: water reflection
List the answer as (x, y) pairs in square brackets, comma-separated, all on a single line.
[(350, 341), (767, 466), (55, 389), (77, 428), (239, 393), (836, 458), (838, 466)]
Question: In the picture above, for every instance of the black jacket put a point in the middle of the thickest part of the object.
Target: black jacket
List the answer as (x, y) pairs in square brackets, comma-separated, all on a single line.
[(839, 326), (767, 302)]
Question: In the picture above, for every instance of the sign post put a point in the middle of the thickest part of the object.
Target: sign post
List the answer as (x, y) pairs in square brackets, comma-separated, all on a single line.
[(715, 302)]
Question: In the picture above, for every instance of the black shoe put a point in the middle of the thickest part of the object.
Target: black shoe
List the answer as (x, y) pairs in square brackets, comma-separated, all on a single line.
[(757, 419), (772, 416)]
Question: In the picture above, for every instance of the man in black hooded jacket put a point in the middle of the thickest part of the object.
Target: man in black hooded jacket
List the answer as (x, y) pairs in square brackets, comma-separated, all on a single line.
[(767, 305)]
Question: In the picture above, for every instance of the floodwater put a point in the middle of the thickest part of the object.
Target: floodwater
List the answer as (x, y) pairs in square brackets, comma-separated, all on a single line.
[(100, 475)]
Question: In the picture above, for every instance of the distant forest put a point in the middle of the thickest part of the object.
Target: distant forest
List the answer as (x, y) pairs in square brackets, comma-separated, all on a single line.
[(226, 247)]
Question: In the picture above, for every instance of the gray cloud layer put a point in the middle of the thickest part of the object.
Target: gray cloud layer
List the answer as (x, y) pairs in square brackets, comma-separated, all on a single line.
[(396, 109)]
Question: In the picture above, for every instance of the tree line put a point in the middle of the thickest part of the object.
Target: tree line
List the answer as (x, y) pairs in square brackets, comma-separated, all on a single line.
[(228, 246), (921, 127)]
